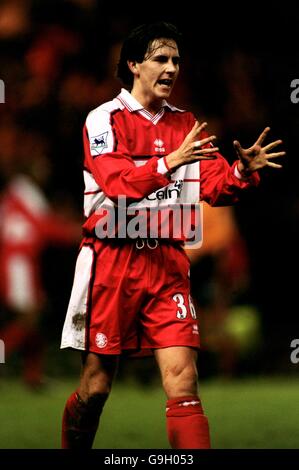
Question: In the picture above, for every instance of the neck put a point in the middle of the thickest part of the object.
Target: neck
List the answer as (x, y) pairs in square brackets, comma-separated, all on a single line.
[(152, 106)]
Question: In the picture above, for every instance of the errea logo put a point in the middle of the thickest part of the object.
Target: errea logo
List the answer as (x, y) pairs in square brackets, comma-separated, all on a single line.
[(159, 145)]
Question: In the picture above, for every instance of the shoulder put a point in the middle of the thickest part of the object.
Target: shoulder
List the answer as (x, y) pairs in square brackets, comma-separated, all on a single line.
[(182, 118), (180, 113), (174, 109), (102, 114)]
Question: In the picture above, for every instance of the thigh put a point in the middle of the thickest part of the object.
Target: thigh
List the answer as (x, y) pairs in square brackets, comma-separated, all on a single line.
[(117, 296), (169, 317), (106, 296)]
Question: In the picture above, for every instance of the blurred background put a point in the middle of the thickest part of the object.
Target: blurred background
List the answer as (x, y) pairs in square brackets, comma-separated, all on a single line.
[(57, 61)]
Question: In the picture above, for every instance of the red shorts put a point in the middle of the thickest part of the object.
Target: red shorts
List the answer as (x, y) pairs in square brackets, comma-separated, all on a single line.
[(125, 298)]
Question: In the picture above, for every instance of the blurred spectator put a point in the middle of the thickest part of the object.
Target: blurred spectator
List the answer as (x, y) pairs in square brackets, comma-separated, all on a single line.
[(27, 226), (220, 283)]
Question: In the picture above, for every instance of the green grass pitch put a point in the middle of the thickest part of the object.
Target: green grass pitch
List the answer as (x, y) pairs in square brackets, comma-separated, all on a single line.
[(243, 414)]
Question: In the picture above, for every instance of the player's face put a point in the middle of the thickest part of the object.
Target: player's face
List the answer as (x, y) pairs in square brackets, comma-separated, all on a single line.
[(155, 77)]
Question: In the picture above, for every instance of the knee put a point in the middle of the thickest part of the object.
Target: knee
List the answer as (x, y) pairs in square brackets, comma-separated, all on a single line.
[(95, 385), (180, 380)]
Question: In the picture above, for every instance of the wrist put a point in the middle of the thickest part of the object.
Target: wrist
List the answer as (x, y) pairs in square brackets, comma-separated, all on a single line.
[(172, 161), (244, 172)]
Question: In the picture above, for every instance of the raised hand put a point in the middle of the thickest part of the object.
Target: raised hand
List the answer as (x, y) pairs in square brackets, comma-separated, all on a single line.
[(256, 157), (191, 149)]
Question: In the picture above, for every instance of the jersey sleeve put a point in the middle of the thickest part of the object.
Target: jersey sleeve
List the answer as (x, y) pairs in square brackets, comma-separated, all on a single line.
[(219, 182), (111, 164), (58, 230)]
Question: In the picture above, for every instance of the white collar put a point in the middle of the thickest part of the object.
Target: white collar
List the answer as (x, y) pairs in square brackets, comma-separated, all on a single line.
[(133, 105)]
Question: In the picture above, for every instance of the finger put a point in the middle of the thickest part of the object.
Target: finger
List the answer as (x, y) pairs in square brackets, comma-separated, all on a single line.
[(205, 151), (194, 131), (207, 140), (273, 165), (275, 155), (202, 126), (194, 128), (198, 127), (238, 148), (262, 136), (272, 145), (202, 157)]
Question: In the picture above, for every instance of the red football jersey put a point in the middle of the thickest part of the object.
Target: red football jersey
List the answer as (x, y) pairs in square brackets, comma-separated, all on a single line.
[(124, 148), (124, 297)]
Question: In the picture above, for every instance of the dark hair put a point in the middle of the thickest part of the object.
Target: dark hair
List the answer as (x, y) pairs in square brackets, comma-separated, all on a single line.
[(137, 43)]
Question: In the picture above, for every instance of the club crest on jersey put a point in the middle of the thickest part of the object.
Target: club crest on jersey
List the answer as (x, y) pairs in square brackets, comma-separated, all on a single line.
[(159, 145), (99, 143)]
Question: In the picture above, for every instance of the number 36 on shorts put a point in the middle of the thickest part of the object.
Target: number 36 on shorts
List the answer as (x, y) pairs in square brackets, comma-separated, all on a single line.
[(182, 309)]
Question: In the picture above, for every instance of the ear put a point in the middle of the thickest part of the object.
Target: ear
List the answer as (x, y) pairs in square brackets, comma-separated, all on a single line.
[(133, 66)]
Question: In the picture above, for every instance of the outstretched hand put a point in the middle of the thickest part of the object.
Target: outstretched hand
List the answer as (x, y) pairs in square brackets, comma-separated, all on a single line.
[(192, 150), (256, 157)]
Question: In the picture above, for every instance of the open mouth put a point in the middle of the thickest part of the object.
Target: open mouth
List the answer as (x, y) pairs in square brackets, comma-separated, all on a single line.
[(165, 82)]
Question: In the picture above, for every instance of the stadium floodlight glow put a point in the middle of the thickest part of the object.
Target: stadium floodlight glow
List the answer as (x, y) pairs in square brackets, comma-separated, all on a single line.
[(2, 91), (2, 352)]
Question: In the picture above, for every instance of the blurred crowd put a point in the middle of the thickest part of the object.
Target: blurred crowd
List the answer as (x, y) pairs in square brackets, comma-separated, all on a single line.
[(57, 60)]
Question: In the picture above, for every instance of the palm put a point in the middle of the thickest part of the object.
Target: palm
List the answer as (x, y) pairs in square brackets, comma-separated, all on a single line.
[(257, 157)]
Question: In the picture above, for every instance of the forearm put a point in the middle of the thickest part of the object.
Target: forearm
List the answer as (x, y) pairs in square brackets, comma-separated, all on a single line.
[(222, 185), (119, 177), (174, 160)]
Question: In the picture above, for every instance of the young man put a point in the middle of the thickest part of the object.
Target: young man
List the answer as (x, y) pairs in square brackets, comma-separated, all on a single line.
[(133, 294)]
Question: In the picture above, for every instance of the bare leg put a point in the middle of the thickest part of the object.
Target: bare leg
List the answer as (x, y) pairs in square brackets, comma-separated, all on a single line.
[(84, 407), (187, 426)]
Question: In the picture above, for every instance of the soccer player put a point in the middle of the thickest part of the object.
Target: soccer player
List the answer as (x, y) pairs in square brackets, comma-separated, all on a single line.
[(132, 294), (28, 225)]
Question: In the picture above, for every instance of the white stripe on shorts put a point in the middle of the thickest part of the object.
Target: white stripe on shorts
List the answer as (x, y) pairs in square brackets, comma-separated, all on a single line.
[(74, 329)]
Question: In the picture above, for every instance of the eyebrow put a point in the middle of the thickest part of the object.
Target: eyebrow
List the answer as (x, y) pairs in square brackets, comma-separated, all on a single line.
[(165, 56)]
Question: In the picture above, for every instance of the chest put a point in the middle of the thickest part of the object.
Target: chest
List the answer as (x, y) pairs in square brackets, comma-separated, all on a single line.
[(144, 137)]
